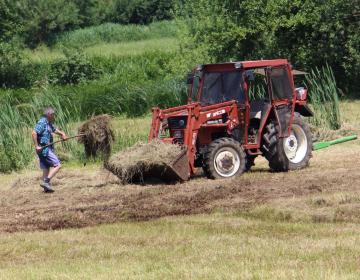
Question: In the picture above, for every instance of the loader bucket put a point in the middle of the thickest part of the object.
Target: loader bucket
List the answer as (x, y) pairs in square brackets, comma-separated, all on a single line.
[(178, 169)]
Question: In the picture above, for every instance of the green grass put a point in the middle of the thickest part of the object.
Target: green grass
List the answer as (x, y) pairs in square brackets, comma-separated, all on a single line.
[(166, 45), (324, 98), (17, 122), (214, 246), (113, 33), (278, 240), (102, 49)]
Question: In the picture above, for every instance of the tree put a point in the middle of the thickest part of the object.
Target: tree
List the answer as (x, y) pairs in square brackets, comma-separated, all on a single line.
[(10, 22), (143, 11), (309, 33), (42, 17)]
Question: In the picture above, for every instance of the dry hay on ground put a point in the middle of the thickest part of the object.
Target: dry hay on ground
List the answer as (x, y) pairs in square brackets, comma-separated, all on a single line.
[(325, 134), (98, 136), (131, 164)]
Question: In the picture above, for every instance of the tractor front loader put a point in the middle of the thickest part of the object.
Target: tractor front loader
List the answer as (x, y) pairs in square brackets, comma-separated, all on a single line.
[(223, 130)]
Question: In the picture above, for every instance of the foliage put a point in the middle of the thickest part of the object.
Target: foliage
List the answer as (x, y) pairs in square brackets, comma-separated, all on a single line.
[(72, 69), (9, 19), (14, 68), (113, 33), (14, 142), (42, 17), (93, 12), (143, 12), (308, 33), (324, 98), (32, 21), (10, 160)]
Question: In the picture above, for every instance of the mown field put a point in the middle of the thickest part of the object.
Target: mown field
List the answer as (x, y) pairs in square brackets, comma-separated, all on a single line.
[(262, 225)]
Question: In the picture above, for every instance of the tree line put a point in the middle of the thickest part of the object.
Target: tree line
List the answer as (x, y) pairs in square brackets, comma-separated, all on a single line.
[(309, 33), (30, 22)]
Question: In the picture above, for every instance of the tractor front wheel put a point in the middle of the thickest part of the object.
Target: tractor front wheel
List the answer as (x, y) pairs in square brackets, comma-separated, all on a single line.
[(225, 158), (293, 152)]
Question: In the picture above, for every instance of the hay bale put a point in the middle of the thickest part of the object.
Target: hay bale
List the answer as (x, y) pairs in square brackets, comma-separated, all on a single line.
[(98, 136), (142, 160)]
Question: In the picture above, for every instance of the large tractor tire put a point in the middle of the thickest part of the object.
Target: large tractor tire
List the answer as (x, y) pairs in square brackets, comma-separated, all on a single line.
[(292, 153), (225, 158)]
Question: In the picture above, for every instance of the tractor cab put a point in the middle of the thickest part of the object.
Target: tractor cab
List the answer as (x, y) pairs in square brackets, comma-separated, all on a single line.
[(218, 83)]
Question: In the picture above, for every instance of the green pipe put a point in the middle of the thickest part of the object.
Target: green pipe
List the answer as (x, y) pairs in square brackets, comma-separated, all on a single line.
[(321, 145)]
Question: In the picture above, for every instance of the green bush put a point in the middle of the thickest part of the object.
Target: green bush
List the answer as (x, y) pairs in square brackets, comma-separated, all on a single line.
[(10, 159), (143, 11), (5, 164), (15, 71), (72, 69)]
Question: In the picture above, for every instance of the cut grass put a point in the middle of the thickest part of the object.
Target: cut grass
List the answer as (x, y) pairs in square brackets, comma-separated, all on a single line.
[(313, 236), (198, 247)]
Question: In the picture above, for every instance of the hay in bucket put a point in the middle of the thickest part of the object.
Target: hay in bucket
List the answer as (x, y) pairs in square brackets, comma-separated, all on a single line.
[(98, 136), (142, 160)]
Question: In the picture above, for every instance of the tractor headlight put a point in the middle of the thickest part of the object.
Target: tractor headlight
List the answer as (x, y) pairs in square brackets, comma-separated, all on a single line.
[(177, 133)]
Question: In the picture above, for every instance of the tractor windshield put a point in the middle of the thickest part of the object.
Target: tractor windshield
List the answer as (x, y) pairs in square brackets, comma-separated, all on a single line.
[(280, 83), (194, 96), (224, 86)]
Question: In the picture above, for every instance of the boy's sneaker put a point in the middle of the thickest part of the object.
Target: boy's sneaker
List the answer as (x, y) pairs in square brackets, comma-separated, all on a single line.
[(46, 187)]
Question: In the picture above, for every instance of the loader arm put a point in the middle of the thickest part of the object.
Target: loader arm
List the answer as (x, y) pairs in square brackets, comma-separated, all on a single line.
[(197, 117)]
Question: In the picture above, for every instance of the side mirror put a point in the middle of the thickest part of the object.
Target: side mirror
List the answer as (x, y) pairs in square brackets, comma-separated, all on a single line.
[(190, 78), (249, 75)]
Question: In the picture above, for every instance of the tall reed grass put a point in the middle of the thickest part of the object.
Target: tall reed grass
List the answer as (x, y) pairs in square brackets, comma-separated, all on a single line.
[(17, 122), (323, 95), (74, 105), (113, 33), (324, 98)]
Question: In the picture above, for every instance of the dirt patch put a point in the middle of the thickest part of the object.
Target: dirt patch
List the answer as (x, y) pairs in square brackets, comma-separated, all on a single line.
[(326, 191)]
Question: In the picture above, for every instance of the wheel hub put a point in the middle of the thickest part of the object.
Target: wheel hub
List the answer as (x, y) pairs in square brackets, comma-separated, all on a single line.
[(224, 162), (295, 146), (292, 143), (226, 159), (227, 162)]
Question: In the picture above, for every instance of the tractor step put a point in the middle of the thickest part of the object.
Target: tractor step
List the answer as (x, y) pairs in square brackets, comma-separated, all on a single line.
[(255, 153)]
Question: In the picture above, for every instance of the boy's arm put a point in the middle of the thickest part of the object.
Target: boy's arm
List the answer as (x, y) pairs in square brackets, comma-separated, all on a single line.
[(63, 135), (34, 137)]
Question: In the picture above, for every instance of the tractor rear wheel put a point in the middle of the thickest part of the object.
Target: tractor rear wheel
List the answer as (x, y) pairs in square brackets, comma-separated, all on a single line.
[(293, 152), (225, 158)]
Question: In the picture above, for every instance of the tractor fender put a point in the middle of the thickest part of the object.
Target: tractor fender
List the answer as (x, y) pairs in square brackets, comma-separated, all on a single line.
[(304, 110)]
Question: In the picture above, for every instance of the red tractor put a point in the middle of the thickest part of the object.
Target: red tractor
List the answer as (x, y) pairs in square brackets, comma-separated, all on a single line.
[(222, 130)]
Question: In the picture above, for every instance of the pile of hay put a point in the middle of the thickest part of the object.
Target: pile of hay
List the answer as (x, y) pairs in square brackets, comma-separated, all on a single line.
[(98, 136), (142, 160)]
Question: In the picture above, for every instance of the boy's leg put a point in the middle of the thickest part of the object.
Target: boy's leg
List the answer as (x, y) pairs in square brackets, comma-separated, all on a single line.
[(53, 171), (54, 162), (46, 173)]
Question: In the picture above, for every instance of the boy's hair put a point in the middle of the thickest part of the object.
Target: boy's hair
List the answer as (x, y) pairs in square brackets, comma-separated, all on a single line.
[(48, 111)]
